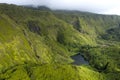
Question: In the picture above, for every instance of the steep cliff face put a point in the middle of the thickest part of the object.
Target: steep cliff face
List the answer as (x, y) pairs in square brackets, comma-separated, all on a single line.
[(39, 43)]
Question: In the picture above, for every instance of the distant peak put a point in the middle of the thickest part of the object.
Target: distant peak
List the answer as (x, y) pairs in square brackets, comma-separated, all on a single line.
[(44, 8)]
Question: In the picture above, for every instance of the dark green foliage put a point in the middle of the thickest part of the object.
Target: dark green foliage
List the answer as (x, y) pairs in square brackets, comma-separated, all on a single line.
[(76, 24), (112, 34), (103, 59), (60, 38), (34, 27)]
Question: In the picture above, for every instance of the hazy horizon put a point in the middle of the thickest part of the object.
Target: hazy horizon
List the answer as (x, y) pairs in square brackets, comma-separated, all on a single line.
[(101, 7)]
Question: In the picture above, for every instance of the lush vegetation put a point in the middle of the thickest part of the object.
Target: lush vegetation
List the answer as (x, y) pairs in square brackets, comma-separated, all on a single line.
[(36, 44)]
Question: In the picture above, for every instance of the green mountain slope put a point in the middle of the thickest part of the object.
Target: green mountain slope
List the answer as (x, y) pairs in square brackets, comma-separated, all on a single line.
[(37, 44)]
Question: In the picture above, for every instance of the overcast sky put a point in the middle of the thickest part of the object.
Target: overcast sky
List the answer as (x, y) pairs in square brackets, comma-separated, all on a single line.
[(96, 6)]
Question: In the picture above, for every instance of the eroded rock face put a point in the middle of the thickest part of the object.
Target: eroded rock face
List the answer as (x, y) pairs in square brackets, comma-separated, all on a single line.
[(34, 27)]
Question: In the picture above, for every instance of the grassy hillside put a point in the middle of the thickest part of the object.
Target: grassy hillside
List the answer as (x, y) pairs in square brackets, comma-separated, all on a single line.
[(36, 44)]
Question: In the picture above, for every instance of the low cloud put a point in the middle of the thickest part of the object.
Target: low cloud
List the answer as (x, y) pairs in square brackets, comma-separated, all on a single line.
[(96, 6)]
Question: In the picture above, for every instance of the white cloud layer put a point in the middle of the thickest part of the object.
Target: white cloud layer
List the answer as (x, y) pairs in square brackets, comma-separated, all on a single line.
[(97, 6)]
